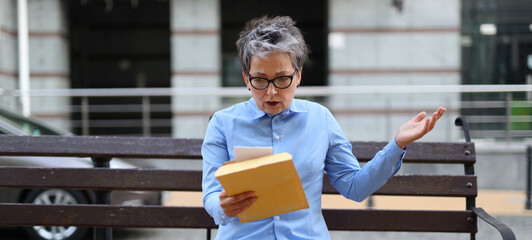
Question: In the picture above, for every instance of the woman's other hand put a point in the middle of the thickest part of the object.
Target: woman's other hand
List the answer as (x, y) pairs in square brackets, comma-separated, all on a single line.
[(234, 205)]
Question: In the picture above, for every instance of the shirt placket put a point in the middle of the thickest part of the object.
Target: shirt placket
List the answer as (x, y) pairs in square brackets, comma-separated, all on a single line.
[(277, 140), (277, 133)]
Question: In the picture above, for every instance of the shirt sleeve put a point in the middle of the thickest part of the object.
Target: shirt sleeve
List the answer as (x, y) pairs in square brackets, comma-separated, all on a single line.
[(344, 171), (214, 153)]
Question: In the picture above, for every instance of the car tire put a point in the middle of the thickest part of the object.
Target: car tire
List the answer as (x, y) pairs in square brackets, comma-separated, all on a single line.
[(56, 196)]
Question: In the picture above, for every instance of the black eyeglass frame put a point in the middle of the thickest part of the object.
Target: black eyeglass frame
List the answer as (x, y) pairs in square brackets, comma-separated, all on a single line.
[(272, 81)]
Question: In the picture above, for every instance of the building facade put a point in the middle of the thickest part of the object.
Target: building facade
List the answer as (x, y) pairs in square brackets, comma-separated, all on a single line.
[(354, 43), (49, 59)]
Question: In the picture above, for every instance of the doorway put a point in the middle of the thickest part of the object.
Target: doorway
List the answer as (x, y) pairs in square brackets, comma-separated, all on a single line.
[(125, 44), (310, 17)]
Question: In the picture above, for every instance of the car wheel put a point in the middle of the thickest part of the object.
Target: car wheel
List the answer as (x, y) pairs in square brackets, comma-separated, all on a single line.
[(56, 196)]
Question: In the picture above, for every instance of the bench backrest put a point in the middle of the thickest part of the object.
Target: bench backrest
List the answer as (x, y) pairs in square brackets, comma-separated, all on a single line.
[(189, 180)]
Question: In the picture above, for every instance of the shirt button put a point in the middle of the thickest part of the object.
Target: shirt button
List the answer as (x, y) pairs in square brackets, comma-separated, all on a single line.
[(223, 218), (277, 217), (277, 137)]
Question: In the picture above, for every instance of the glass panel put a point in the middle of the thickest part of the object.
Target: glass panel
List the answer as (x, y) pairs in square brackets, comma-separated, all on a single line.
[(496, 48), (26, 125)]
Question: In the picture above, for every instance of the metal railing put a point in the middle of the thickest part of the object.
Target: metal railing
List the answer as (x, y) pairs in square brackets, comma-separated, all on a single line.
[(528, 202), (507, 117)]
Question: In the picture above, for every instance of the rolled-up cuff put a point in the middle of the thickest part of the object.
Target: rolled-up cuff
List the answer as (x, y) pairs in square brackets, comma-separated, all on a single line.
[(221, 218), (396, 153)]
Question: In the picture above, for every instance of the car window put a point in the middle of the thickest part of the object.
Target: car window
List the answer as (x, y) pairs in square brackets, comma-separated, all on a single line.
[(25, 125)]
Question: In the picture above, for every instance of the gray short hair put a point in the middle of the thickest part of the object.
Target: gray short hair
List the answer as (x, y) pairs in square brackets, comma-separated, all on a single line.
[(265, 35)]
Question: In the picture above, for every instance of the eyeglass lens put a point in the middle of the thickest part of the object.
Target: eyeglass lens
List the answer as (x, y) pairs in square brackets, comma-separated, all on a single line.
[(280, 82)]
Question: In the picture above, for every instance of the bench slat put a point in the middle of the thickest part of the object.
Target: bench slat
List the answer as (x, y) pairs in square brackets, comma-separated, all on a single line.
[(422, 185), (196, 217), (422, 152), (104, 216), (93, 146), (401, 220), (136, 147), (190, 180), (100, 178)]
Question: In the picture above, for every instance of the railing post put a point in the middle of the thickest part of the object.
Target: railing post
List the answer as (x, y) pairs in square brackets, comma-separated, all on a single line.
[(371, 204), (449, 121), (508, 117), (85, 116), (146, 123), (2, 97), (104, 198), (388, 118), (528, 204)]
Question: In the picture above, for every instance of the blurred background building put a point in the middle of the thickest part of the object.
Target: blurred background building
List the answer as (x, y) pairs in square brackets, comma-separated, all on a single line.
[(162, 67)]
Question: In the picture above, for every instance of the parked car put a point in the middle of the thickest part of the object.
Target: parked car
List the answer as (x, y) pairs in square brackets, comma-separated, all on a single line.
[(11, 123)]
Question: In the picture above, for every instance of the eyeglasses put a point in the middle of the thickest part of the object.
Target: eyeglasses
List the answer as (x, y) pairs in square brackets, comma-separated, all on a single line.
[(281, 82)]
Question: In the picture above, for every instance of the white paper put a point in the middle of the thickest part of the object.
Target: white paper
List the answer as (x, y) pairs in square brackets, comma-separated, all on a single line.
[(246, 153)]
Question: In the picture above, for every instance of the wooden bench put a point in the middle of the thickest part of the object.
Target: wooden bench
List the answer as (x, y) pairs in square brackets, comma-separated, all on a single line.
[(103, 217)]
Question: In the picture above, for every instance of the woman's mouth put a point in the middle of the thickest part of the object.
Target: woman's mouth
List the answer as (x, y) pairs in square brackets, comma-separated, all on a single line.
[(271, 103)]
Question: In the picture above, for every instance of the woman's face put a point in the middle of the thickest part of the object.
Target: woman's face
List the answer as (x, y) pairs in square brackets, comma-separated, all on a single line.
[(273, 100)]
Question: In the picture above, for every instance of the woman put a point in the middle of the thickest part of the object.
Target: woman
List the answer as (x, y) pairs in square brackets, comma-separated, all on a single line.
[(272, 52)]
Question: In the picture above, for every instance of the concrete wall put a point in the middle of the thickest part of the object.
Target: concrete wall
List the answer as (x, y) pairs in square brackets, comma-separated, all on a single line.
[(195, 57), (499, 166), (8, 52), (382, 46), (372, 43), (49, 60)]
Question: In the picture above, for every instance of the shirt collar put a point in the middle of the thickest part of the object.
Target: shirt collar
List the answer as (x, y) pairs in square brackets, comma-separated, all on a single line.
[(255, 112), (297, 107)]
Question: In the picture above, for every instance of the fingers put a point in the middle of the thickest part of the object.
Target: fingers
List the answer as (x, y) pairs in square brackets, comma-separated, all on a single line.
[(433, 121), (419, 117), (233, 205), (428, 125), (441, 111), (435, 117)]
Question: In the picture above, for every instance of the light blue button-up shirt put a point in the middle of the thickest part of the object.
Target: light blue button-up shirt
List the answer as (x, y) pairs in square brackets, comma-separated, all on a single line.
[(310, 133)]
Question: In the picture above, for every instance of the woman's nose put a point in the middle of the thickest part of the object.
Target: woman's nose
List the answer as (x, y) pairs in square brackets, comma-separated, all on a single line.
[(271, 90)]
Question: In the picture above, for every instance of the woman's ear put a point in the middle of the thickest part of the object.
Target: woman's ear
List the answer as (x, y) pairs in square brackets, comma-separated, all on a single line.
[(245, 79), (299, 76)]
